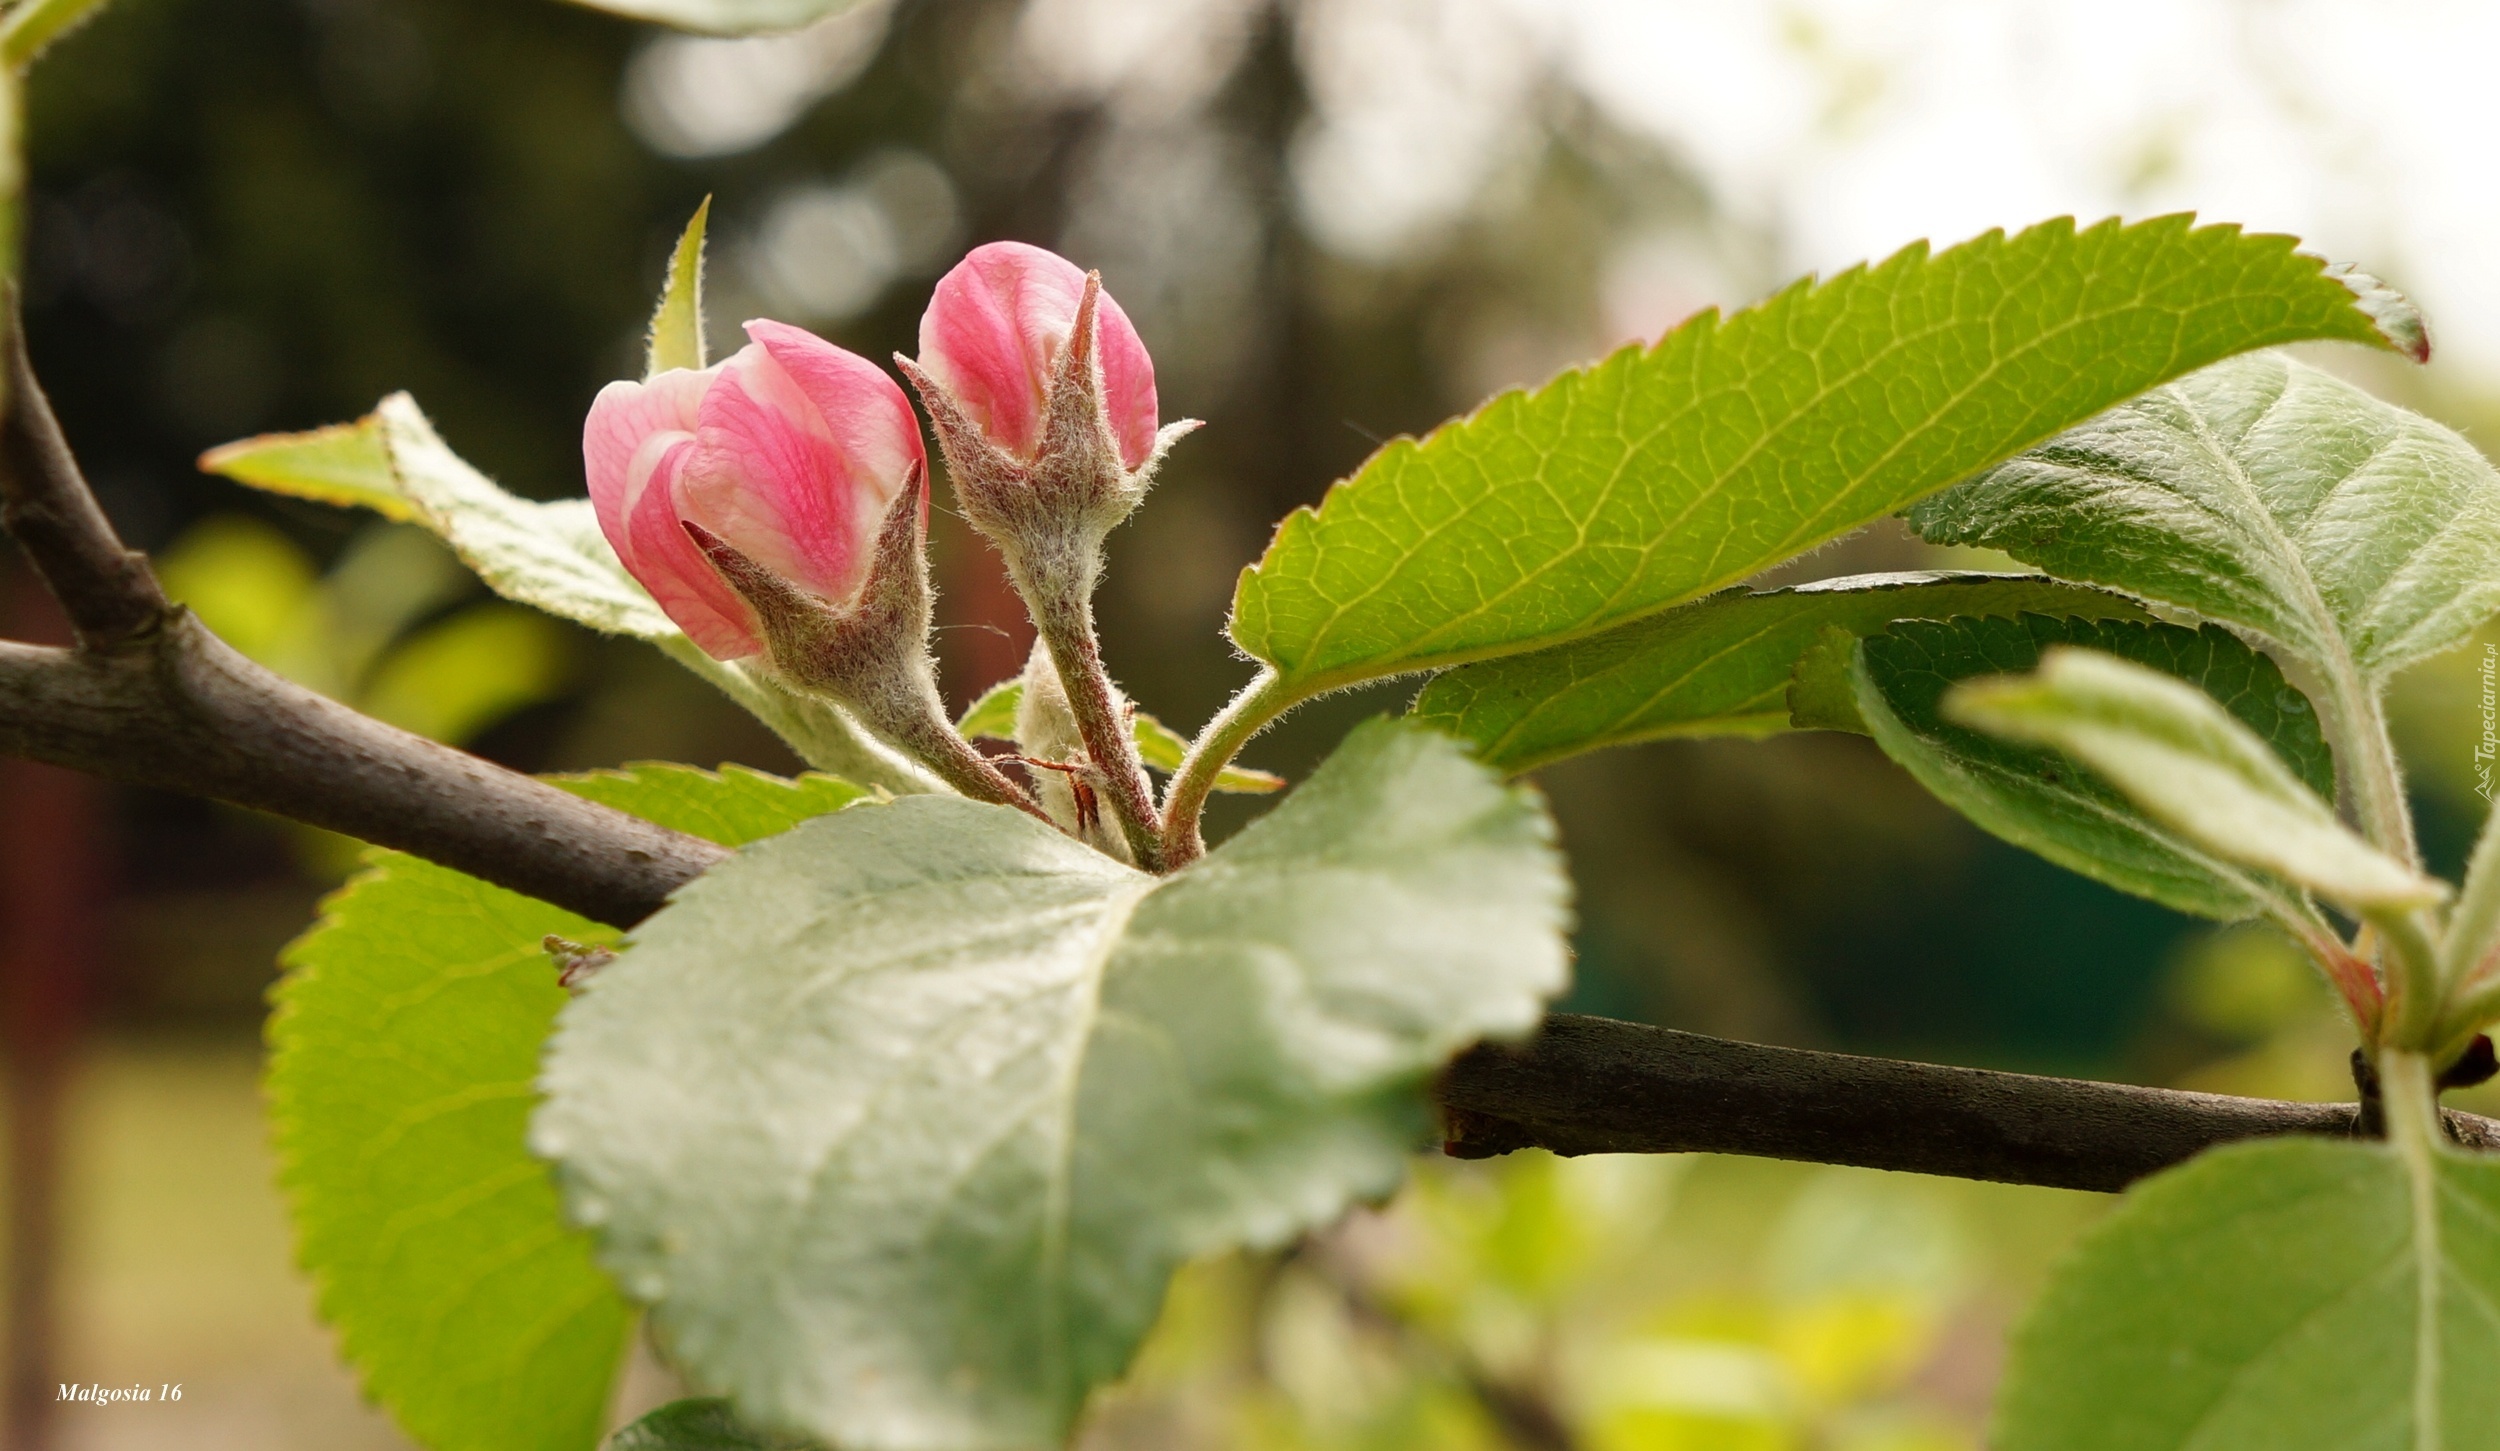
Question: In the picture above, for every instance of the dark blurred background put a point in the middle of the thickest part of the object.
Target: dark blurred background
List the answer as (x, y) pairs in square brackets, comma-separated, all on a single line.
[(256, 215)]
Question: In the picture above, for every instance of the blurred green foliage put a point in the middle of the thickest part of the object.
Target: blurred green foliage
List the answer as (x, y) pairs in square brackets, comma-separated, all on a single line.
[(391, 628), (1612, 1303), (378, 631)]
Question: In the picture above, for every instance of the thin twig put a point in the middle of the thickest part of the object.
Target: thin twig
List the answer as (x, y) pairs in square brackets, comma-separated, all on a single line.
[(108, 592)]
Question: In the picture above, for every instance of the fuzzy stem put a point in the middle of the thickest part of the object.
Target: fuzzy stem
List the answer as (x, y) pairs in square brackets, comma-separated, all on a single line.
[(930, 741), (1247, 714), (2413, 1128), (2362, 747), (1063, 614), (2416, 994)]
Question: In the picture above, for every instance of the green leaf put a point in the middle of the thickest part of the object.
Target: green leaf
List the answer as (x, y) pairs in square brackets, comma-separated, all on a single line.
[(697, 1425), (993, 717), (724, 17), (1665, 472), (902, 1122), (2268, 1296), (1718, 666), (551, 555), (455, 679), (2039, 800), (345, 464), (2191, 765), (30, 28), (402, 1053), (2262, 494), (733, 806), (677, 323)]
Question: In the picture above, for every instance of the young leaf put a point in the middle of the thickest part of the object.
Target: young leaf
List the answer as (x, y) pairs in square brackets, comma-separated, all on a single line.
[(698, 1425), (30, 28), (2267, 1296), (2037, 799), (2188, 763), (406, 1037), (455, 678), (1718, 666), (2473, 933), (724, 17), (993, 717), (548, 555), (344, 464), (677, 323), (2266, 495), (902, 1122), (1668, 471)]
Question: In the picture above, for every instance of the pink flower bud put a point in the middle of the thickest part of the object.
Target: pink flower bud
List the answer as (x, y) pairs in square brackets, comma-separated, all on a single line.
[(994, 332), (790, 451)]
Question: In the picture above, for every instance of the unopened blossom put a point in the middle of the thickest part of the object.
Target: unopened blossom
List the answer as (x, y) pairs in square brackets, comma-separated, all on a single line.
[(791, 451), (995, 331)]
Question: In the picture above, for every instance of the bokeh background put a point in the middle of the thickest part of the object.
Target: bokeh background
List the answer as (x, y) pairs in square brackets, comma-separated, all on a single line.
[(1333, 221)]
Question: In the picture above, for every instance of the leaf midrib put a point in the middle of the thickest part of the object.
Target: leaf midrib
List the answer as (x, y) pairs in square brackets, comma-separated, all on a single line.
[(1057, 1206)]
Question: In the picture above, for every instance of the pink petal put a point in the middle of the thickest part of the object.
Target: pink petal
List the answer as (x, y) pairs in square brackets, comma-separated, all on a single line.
[(801, 446), (994, 330), (872, 423), (623, 418), (1128, 381), (674, 570)]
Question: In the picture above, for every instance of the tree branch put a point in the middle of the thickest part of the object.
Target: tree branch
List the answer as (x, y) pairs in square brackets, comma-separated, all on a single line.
[(180, 710), (1597, 1086), (151, 697)]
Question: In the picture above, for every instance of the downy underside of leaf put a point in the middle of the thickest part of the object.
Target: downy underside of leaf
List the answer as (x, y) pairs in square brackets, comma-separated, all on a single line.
[(901, 1122), (2266, 495), (2185, 761)]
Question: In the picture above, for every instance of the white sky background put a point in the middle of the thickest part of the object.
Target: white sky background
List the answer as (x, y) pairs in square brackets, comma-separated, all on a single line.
[(1846, 128), (1842, 129)]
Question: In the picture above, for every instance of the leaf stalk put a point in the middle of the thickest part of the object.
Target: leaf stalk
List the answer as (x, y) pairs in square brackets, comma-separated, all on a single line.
[(1266, 697), (2364, 750)]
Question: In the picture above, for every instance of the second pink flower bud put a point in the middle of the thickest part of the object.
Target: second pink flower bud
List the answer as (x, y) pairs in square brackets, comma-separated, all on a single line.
[(996, 330)]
